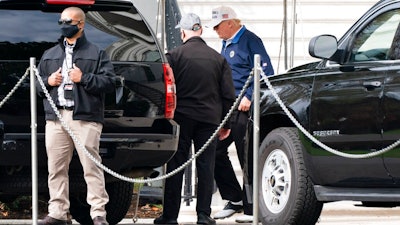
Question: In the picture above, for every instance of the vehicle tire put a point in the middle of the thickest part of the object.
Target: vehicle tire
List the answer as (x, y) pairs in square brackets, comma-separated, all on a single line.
[(8, 198), (286, 194), (120, 194), (79, 209)]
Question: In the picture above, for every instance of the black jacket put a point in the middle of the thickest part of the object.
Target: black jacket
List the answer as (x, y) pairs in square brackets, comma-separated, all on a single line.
[(204, 85), (98, 78)]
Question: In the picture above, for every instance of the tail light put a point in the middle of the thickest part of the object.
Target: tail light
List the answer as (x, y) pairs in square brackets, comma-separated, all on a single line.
[(70, 2), (170, 91)]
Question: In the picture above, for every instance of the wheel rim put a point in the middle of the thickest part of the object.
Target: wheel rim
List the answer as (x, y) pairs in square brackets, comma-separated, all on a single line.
[(276, 181)]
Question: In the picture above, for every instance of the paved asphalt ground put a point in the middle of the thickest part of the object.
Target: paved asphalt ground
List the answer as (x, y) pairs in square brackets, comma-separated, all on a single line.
[(338, 213)]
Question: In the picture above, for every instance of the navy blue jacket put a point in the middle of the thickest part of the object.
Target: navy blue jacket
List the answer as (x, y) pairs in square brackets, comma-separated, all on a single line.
[(240, 56)]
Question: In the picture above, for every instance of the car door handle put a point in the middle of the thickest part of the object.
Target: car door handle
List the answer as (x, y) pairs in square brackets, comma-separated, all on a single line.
[(372, 84)]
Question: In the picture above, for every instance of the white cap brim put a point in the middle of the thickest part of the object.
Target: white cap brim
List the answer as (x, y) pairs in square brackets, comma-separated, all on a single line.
[(213, 23)]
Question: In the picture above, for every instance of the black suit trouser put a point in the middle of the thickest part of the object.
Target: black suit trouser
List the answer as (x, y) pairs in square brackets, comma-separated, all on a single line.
[(224, 174), (199, 133)]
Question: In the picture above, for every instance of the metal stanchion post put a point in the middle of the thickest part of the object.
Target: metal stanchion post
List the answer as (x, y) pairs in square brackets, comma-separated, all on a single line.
[(34, 143), (256, 122)]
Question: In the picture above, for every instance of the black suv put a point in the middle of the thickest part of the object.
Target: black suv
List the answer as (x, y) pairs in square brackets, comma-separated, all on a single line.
[(139, 133), (350, 101)]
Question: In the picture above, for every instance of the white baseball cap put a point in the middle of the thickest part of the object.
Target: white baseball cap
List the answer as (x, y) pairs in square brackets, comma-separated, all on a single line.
[(189, 21), (220, 14)]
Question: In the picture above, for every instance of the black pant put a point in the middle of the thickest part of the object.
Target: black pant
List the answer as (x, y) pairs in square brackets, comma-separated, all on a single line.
[(224, 174), (199, 133)]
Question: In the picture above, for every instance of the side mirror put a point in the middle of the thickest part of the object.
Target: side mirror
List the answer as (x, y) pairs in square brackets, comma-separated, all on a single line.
[(323, 46)]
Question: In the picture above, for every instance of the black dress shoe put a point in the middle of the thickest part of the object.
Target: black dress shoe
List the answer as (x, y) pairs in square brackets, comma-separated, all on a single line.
[(52, 221), (202, 218), (164, 220)]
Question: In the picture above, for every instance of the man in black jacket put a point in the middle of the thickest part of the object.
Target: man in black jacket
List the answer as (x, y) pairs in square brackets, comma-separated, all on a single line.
[(205, 93), (77, 75)]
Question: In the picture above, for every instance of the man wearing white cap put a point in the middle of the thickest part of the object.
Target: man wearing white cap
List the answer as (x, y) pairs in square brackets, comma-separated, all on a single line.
[(205, 93), (239, 46)]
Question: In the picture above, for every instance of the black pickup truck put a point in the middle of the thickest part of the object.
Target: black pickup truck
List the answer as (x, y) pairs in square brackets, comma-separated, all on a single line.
[(139, 133), (349, 101)]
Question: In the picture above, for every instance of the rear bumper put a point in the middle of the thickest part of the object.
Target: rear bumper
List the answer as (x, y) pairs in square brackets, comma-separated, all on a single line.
[(117, 156), (121, 152), (133, 155)]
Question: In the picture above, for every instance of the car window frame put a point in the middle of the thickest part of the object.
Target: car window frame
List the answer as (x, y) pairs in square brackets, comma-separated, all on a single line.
[(365, 46), (346, 41)]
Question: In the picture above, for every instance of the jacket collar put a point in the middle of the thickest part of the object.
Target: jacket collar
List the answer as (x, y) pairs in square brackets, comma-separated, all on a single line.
[(194, 39), (236, 38), (79, 42)]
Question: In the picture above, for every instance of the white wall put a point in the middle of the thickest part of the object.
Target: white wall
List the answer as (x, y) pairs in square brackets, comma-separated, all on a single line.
[(265, 18)]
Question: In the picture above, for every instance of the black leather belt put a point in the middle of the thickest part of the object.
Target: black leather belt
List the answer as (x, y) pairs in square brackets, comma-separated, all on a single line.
[(70, 108)]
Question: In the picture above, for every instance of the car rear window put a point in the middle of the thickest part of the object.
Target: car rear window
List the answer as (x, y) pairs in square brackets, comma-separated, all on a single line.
[(123, 34)]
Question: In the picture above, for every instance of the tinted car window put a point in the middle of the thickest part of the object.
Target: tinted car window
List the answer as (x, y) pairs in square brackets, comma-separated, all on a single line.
[(125, 37), (41, 30), (374, 41)]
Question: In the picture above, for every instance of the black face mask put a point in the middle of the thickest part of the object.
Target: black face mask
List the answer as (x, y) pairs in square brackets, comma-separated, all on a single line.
[(69, 31)]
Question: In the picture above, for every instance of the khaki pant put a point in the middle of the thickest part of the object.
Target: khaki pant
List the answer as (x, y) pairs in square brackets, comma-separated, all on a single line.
[(59, 147)]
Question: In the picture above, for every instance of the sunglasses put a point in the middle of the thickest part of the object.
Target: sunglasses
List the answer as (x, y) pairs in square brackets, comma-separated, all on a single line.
[(67, 21)]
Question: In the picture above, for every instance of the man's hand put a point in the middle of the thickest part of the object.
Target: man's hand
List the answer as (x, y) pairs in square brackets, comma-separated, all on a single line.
[(244, 105), (223, 133), (75, 74), (55, 79)]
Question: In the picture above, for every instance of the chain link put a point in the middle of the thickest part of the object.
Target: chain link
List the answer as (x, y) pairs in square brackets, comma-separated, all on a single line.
[(141, 180), (213, 136), (14, 88)]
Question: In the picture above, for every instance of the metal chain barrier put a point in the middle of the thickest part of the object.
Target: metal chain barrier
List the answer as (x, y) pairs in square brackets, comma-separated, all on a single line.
[(141, 180), (270, 87), (312, 138), (14, 88)]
